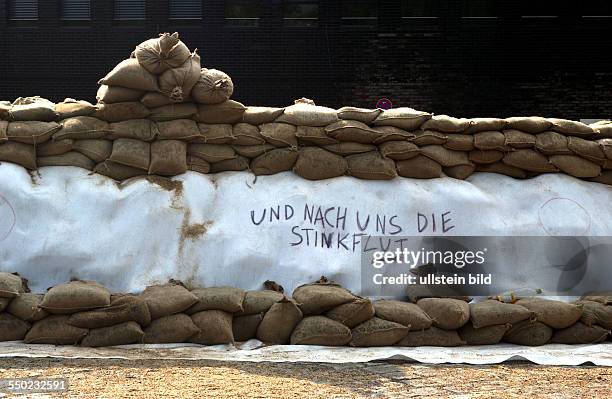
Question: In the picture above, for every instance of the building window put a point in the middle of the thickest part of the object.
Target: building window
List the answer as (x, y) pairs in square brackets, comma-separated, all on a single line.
[(360, 12), (130, 10), (479, 9), (300, 13), (76, 10), (242, 13), (185, 9), (23, 10), (419, 9)]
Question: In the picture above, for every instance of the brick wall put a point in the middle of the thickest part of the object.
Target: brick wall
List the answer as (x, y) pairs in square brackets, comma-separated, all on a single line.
[(507, 66)]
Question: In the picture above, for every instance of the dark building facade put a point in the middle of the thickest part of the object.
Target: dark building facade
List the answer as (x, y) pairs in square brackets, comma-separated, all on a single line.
[(460, 57)]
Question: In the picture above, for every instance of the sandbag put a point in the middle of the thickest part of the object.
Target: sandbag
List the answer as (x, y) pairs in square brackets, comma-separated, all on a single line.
[(117, 171), (122, 309), (590, 150), (571, 128), (228, 299), (352, 131), (313, 135), (580, 333), (485, 125), (371, 166), (4, 302), (237, 164), (173, 111), (303, 114), (446, 313), (212, 87), (178, 82), (359, 114), (459, 142), (406, 314), (575, 166), (215, 327), (378, 332), (54, 330), (317, 298), (71, 158), (69, 108), (490, 141), (261, 115), (197, 164), (229, 111), (19, 153), (603, 127), (528, 333), (256, 302), (26, 307), (130, 152), (279, 134), (75, 296), (428, 137), (245, 327), (432, 337), (162, 53), (5, 107), (445, 157), (12, 328), (156, 100), (215, 134), (503, 169), (170, 329), (399, 150), (529, 124), (117, 94), (130, 74), (489, 335), (139, 129), (81, 128), (593, 313), (320, 330), (41, 110), (353, 313), (211, 152), (392, 133), (446, 124), (489, 313), (485, 157), (403, 118), (419, 167), (3, 130), (96, 150), (245, 134), (120, 334), (274, 161), (529, 160), (346, 149), (118, 112), (168, 158), (31, 132), (279, 322), (416, 292), (555, 314), (167, 299), (518, 139), (460, 172), (551, 143), (11, 285), (315, 163)]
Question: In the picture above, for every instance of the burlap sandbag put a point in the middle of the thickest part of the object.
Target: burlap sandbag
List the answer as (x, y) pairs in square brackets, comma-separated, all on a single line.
[(237, 164), (117, 171), (274, 161), (303, 114), (320, 330), (139, 129), (31, 132), (75, 296), (485, 125), (419, 167), (575, 166), (244, 328), (485, 157), (352, 131), (256, 302), (587, 149), (503, 169), (445, 157), (12, 328), (214, 134), (603, 297), (162, 53), (228, 299), (593, 313), (371, 166), (3, 130), (121, 334), (81, 128), (315, 163), (580, 333), (571, 128), (407, 314), (279, 322), (5, 107), (528, 333), (279, 134), (312, 135), (173, 111), (432, 337), (178, 129), (26, 307), (58, 147), (460, 172), (71, 158), (346, 149), (403, 118), (69, 108), (489, 313), (529, 160), (399, 150), (459, 142), (416, 292), (117, 94), (167, 299), (119, 112), (197, 164), (4, 302), (555, 314), (168, 158), (212, 87), (446, 313), (518, 139), (11, 285), (317, 298), (429, 137), (252, 151), (43, 111), (529, 124), (122, 309), (211, 152), (603, 127), (392, 133), (130, 74), (94, 149), (551, 143), (353, 313), (178, 82), (260, 115), (170, 329), (215, 327), (245, 134), (446, 124), (359, 114), (54, 330), (378, 332), (157, 100), (490, 141), (130, 152), (489, 335), (229, 111), (18, 153)]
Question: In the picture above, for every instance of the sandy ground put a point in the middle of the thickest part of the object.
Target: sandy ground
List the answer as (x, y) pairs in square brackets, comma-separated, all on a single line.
[(192, 379)]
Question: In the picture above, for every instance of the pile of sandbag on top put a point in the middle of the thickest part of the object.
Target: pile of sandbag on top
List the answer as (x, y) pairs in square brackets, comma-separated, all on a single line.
[(319, 313)]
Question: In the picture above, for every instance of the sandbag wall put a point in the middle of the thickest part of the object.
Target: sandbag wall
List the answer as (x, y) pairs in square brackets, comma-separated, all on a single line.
[(321, 313)]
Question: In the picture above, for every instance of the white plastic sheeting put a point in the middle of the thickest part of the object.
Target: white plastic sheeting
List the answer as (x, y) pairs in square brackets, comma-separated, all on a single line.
[(233, 229)]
